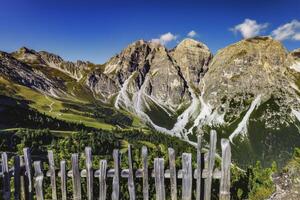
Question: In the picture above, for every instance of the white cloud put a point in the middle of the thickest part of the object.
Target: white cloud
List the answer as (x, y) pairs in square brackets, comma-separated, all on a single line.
[(288, 31), (192, 33), (249, 28), (156, 40), (296, 36), (165, 38)]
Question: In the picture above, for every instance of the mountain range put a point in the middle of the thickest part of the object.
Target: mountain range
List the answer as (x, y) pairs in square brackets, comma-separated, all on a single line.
[(249, 92)]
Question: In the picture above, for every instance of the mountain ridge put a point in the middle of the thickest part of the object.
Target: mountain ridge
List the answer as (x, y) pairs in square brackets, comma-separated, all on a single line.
[(181, 91)]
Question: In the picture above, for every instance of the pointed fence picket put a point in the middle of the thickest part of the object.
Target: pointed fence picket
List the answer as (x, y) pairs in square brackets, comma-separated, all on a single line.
[(28, 179)]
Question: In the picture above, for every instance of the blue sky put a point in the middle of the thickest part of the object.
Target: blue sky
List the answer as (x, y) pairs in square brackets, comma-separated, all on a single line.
[(96, 30)]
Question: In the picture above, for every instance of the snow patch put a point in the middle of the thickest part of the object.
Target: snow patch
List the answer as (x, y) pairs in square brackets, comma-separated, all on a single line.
[(138, 98), (123, 95), (296, 114), (184, 118), (215, 118), (296, 66), (242, 126), (206, 110), (138, 107), (141, 101)]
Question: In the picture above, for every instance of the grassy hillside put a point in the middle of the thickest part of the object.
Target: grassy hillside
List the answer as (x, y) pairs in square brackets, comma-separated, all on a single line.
[(90, 113)]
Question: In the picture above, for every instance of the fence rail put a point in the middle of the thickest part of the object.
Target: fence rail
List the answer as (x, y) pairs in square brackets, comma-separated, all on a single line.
[(28, 180)]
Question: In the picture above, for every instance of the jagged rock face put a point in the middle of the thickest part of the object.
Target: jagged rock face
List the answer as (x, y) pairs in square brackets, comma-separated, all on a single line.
[(245, 70), (140, 61), (28, 56), (43, 58), (154, 83), (166, 82), (193, 58), (102, 85), (135, 57), (251, 85), (21, 73), (75, 70)]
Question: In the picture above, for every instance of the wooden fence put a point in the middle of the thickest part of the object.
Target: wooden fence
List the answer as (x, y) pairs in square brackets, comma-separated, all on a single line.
[(28, 180)]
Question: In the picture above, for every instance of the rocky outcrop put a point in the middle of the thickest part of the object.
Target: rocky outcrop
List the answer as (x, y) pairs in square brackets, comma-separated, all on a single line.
[(102, 85), (193, 57), (241, 72), (23, 74), (75, 70), (250, 90), (140, 61), (146, 79)]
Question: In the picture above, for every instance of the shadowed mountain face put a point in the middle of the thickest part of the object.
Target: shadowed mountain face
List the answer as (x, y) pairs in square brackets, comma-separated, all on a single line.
[(249, 91)]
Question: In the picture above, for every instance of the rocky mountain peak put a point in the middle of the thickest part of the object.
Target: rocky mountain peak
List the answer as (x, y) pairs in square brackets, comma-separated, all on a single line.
[(142, 42), (46, 59), (134, 57), (260, 47), (193, 57), (27, 55), (142, 64), (75, 70), (191, 43), (258, 50), (246, 70), (50, 57), (260, 38), (25, 50)]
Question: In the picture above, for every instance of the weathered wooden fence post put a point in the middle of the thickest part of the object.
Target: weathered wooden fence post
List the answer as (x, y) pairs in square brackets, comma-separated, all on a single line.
[(159, 173), (89, 172), (173, 175), (17, 178), (198, 170), (6, 177), (22, 178), (76, 177), (131, 187), (116, 186), (52, 174), (38, 180), (63, 180), (145, 173), (28, 174), (225, 171), (211, 164), (187, 177), (102, 179)]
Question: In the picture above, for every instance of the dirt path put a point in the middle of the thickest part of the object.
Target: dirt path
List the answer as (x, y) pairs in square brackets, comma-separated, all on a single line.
[(51, 104)]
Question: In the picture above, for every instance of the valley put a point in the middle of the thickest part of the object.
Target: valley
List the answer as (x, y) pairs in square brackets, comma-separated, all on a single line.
[(248, 92)]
